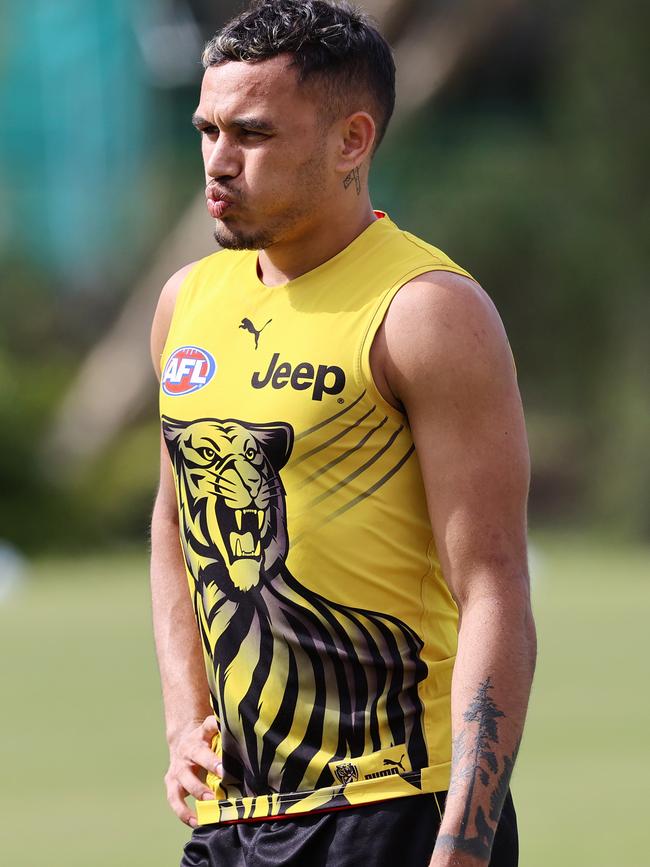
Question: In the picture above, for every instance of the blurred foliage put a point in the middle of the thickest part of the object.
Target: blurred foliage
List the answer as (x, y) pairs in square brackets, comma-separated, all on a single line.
[(531, 174), (528, 170)]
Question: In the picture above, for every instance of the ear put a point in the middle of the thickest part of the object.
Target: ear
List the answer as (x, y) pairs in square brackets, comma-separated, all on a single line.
[(172, 429), (357, 139), (275, 440)]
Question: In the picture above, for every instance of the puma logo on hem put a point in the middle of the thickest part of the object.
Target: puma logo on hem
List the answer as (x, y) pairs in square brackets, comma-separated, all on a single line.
[(396, 764)]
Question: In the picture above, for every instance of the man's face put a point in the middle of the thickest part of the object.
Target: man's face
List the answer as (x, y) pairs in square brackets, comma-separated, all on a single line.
[(265, 152)]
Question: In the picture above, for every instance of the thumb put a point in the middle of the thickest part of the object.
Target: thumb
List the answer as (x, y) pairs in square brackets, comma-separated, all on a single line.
[(209, 727)]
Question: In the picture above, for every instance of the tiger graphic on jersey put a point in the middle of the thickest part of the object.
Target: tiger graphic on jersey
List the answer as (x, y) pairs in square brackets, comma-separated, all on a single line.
[(298, 682)]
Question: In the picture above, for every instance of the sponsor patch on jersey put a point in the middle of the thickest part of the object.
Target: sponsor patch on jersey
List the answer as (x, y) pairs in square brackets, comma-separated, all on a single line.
[(188, 369), (384, 763), (324, 379)]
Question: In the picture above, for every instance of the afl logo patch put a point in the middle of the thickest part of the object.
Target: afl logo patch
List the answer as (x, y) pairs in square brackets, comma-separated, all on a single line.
[(188, 369)]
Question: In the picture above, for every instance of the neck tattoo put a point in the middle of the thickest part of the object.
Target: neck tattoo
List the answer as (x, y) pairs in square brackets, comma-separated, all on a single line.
[(353, 176)]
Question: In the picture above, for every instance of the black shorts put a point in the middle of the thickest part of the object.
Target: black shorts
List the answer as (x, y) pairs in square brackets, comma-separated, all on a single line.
[(400, 831)]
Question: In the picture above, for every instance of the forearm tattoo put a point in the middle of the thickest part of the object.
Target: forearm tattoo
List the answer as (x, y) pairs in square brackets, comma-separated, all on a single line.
[(353, 176), (475, 760)]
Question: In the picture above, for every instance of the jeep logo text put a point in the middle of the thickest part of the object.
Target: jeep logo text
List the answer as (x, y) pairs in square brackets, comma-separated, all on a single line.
[(325, 379)]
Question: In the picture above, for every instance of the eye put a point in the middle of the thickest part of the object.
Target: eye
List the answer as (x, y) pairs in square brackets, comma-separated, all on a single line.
[(209, 131), (250, 453), (252, 135), (207, 454)]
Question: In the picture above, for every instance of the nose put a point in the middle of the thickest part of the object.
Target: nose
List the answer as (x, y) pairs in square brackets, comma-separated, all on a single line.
[(250, 477), (220, 158)]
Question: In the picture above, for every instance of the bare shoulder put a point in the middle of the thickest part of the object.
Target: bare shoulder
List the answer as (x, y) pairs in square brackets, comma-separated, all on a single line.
[(440, 330), (164, 312)]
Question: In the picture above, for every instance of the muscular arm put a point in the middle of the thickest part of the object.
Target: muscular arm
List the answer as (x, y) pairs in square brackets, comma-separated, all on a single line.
[(444, 356), (189, 721), (178, 648)]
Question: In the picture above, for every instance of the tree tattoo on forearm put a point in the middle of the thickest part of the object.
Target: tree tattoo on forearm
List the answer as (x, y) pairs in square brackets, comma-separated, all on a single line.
[(353, 176), (474, 759)]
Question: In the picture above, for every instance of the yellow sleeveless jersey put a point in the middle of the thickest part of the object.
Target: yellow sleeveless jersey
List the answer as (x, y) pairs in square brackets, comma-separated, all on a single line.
[(328, 631)]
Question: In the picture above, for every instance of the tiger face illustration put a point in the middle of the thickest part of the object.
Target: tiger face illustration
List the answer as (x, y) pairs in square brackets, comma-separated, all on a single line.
[(230, 471), (297, 681)]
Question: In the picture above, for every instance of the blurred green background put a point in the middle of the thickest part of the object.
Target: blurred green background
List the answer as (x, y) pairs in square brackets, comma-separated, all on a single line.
[(520, 148)]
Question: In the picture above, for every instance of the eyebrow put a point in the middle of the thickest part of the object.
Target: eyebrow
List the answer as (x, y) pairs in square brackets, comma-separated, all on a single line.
[(256, 123)]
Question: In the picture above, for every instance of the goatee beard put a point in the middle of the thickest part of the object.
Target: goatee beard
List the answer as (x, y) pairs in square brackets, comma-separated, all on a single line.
[(231, 241)]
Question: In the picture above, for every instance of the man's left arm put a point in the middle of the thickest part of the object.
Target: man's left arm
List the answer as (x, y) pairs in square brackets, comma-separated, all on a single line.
[(446, 359)]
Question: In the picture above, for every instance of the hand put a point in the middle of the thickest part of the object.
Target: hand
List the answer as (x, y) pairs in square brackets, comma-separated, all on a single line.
[(190, 755), (458, 860)]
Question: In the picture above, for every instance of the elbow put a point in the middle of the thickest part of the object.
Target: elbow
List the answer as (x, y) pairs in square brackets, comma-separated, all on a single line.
[(522, 624), (164, 516), (530, 633), (506, 606)]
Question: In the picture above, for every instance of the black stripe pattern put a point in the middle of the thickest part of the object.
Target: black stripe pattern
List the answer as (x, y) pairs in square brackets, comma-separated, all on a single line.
[(370, 446), (297, 680)]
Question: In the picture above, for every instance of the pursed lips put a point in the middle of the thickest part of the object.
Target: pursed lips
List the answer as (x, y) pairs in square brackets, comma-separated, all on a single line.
[(217, 202)]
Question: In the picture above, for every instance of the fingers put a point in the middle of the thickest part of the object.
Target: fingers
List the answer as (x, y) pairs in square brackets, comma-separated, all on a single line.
[(176, 799), (179, 786), (190, 754), (193, 785), (202, 755)]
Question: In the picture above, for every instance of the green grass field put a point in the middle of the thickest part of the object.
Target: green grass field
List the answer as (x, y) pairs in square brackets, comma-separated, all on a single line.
[(82, 752)]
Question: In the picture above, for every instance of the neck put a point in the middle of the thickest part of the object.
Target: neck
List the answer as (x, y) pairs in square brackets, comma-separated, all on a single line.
[(314, 245)]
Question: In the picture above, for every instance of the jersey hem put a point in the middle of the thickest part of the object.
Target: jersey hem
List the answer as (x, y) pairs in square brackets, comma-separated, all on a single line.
[(425, 781)]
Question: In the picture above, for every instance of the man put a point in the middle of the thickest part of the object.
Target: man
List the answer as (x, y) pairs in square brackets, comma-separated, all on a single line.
[(343, 455)]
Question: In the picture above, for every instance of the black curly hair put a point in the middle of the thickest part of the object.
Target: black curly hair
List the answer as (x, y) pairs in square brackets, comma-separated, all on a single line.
[(335, 48)]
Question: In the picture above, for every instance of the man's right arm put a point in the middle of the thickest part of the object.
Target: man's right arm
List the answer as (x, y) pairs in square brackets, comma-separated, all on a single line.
[(189, 720)]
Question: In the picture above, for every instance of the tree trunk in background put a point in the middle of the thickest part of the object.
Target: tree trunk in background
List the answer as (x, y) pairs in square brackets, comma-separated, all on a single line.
[(431, 46), (433, 49), (94, 410)]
